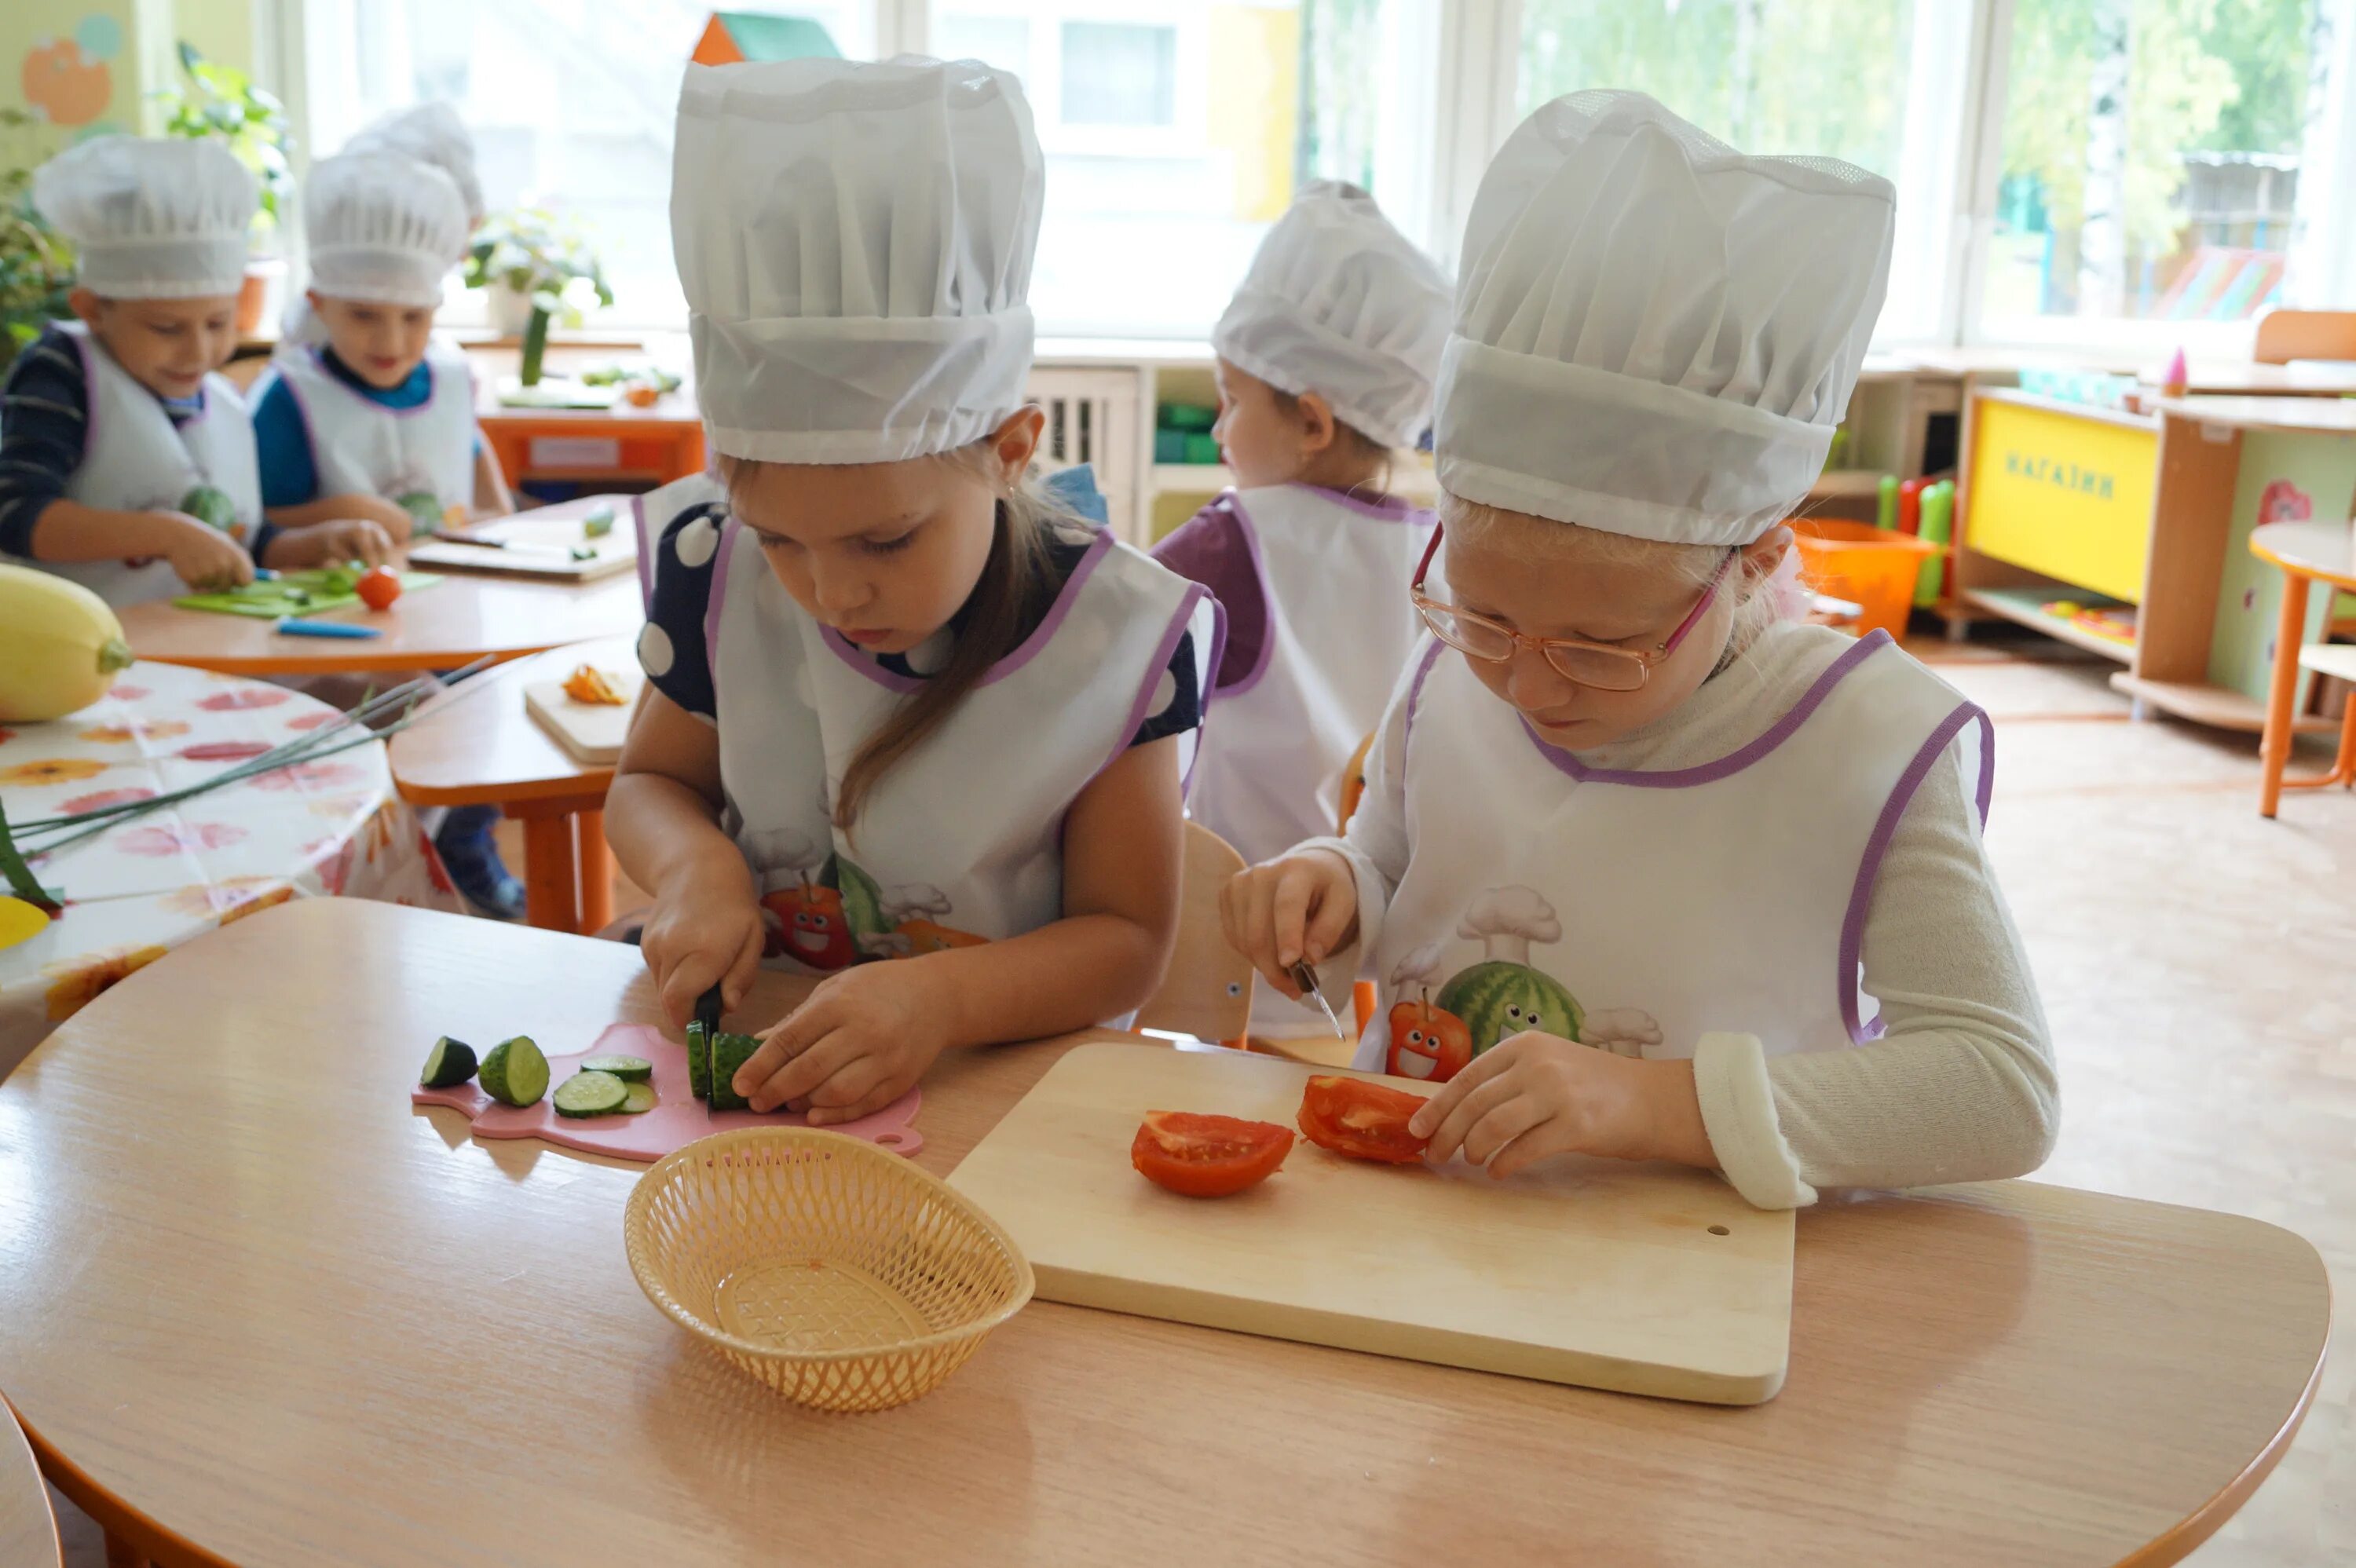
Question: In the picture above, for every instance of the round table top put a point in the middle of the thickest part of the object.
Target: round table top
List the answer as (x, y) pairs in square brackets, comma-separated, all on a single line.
[(28, 1530), (464, 617), (2315, 547), (167, 877), (278, 1304), (476, 747)]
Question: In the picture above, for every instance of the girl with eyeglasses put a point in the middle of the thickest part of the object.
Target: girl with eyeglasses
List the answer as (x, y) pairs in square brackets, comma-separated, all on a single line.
[(1646, 871)]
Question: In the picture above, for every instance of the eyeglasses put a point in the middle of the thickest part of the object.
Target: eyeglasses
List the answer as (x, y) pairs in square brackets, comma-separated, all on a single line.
[(1598, 665)]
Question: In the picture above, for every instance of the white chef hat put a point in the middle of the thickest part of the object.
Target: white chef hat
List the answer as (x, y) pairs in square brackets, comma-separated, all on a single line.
[(432, 133), (1339, 302), (382, 227), (855, 245), (150, 220), (1655, 335)]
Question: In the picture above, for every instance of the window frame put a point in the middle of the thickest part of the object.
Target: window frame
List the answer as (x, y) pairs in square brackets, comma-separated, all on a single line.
[(1456, 116)]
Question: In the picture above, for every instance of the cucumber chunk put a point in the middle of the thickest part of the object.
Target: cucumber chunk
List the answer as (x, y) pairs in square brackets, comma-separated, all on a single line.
[(628, 1069), (641, 1100), (729, 1052), (515, 1072), (451, 1063), (591, 1094), (699, 1060)]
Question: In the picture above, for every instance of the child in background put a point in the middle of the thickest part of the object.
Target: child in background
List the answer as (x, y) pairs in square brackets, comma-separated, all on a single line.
[(900, 707), (431, 133), (379, 421), (1327, 358), (1636, 867), (115, 427)]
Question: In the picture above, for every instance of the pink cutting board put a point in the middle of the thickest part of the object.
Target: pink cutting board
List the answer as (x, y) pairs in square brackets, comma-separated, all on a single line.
[(677, 1118)]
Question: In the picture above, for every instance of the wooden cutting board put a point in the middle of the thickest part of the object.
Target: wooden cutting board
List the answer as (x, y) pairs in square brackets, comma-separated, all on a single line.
[(590, 731), (1646, 1279), (541, 548)]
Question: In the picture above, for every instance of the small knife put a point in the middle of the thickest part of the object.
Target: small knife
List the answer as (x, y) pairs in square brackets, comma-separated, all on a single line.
[(706, 1030), (1306, 978)]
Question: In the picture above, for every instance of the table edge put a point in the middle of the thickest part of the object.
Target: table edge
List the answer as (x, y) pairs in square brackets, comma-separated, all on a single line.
[(2302, 568), (2180, 1538)]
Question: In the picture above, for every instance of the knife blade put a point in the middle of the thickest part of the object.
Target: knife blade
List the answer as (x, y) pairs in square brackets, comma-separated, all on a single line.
[(704, 1029), (1306, 978)]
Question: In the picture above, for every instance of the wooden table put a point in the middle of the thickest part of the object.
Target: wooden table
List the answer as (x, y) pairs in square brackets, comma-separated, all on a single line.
[(457, 620), (482, 747), (275, 1315), (28, 1530), (2320, 549)]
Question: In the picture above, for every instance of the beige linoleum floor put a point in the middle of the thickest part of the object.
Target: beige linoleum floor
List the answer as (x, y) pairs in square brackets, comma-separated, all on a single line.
[(2199, 966)]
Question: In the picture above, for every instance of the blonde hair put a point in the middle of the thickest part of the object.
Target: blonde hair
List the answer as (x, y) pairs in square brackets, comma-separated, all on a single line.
[(1010, 597), (1543, 541)]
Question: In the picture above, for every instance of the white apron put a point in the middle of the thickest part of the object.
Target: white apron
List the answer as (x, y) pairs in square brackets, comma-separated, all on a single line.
[(1333, 574), (359, 447), (1637, 910), (134, 459), (962, 842)]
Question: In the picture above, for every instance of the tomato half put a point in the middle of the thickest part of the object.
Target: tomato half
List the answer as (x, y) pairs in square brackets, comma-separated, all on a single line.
[(378, 587), (1207, 1156), (1362, 1119)]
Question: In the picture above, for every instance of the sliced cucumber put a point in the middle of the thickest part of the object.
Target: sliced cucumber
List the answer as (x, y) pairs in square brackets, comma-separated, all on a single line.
[(515, 1072), (641, 1100), (451, 1064), (628, 1069), (591, 1094), (699, 1060), (729, 1052)]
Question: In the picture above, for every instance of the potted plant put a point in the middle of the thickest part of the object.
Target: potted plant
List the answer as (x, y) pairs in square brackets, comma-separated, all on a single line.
[(222, 103), (36, 262), (537, 269)]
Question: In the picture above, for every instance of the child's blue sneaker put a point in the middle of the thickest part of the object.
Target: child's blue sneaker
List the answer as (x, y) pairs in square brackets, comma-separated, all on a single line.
[(472, 855)]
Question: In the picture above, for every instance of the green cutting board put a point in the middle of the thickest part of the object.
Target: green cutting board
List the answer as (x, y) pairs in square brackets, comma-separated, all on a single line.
[(276, 600)]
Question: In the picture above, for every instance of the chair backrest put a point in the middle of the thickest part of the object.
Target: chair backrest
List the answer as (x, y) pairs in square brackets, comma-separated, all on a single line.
[(1208, 991), (2287, 334)]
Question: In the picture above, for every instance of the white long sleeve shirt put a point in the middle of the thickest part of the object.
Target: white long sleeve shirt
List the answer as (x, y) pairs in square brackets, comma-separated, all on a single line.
[(1960, 1087)]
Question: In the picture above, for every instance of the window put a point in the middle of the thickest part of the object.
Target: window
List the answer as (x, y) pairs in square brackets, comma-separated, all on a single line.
[(1116, 73), (2150, 166)]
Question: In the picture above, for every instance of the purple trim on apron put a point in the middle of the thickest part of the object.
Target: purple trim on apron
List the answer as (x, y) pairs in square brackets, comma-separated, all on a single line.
[(1390, 509), (720, 557), (646, 558), (1208, 672), (204, 409), (1030, 649), (1155, 668), (1266, 601), (1877, 844), (1734, 762)]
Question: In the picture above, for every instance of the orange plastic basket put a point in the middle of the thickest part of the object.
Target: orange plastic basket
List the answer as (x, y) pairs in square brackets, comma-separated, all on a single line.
[(840, 1275), (1875, 568)]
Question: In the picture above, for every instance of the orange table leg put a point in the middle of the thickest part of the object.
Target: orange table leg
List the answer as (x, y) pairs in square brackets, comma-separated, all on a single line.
[(2276, 748), (551, 871), (596, 871)]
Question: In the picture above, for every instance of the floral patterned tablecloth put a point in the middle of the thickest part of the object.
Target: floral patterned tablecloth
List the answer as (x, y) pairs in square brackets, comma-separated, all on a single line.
[(331, 827)]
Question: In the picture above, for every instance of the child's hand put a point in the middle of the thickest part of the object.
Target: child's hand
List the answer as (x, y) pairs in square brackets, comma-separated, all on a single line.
[(706, 930), (204, 557), (1301, 906), (329, 544), (862, 1040), (1534, 1096), (390, 516)]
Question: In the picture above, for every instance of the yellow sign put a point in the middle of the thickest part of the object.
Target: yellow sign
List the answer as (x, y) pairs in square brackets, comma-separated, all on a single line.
[(2063, 492)]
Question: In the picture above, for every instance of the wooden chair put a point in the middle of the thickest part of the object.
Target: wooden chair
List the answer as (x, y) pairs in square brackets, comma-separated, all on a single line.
[(1208, 991), (2287, 334)]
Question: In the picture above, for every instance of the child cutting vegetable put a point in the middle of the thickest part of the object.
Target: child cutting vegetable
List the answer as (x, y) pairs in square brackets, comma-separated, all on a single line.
[(902, 708), (1326, 357), (1646, 873), (126, 460)]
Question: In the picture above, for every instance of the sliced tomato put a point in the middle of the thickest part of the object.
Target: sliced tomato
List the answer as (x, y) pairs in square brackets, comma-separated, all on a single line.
[(1362, 1119), (1207, 1156)]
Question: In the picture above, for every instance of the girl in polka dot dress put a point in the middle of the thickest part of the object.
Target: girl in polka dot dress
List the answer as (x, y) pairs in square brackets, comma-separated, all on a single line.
[(903, 708)]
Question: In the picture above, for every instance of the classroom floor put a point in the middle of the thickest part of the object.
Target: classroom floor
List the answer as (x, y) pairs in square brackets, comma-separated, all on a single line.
[(2198, 969)]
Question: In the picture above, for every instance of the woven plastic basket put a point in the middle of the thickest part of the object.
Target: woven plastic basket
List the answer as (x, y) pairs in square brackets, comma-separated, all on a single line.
[(838, 1274)]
